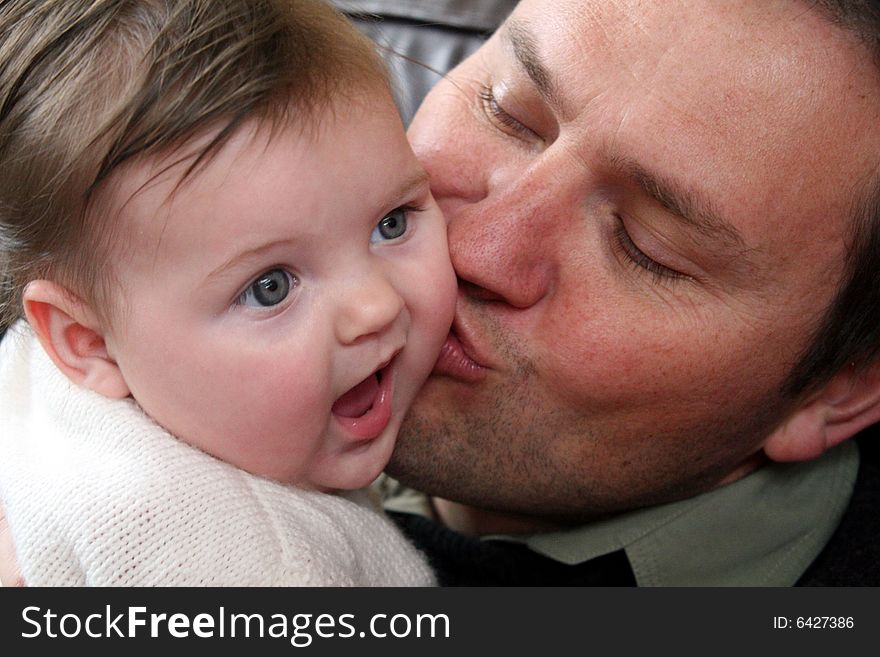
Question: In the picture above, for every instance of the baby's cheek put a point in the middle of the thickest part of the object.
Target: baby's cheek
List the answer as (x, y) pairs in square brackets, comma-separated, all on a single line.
[(269, 392), (433, 282)]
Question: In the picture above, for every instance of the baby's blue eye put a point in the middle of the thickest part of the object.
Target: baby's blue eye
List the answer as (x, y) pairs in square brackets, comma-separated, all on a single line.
[(268, 289), (390, 227)]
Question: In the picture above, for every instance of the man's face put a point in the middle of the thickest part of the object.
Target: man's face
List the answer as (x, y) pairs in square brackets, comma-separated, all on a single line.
[(648, 205), (286, 302)]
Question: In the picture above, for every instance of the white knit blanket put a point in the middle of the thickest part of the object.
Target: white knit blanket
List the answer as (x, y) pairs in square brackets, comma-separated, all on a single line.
[(97, 494)]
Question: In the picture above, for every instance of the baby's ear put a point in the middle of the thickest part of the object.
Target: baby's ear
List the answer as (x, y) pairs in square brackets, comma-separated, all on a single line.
[(73, 337), (849, 403)]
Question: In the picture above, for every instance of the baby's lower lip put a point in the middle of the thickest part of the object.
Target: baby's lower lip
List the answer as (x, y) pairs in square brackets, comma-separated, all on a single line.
[(369, 424)]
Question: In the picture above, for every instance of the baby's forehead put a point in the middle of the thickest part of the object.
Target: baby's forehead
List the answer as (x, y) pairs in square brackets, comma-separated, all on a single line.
[(170, 199), (174, 167)]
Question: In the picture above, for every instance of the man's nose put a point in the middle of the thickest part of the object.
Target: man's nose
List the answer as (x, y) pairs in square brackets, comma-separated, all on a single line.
[(502, 241), (370, 307)]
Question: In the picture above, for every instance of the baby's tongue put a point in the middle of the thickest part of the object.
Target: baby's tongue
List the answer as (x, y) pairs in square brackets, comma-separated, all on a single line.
[(358, 400)]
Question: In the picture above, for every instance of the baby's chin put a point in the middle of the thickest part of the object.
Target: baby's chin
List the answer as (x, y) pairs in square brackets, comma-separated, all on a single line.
[(359, 466)]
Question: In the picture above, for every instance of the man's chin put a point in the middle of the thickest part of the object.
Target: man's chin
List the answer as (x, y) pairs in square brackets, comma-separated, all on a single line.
[(424, 455), (411, 452)]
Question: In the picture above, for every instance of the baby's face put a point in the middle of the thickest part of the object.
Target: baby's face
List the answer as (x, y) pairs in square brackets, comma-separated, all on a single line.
[(284, 306)]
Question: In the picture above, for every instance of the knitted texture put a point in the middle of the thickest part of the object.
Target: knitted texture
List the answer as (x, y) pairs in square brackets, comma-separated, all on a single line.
[(97, 494)]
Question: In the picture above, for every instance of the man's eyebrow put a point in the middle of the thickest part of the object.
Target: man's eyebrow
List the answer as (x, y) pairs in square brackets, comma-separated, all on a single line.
[(691, 206), (526, 52)]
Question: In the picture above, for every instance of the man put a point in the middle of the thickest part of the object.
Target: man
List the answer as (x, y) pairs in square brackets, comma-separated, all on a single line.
[(664, 218), (654, 212)]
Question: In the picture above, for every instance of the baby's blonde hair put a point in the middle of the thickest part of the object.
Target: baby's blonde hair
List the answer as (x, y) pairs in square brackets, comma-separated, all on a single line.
[(87, 85)]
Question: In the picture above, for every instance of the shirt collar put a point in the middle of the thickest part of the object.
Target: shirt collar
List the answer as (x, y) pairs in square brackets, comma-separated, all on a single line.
[(762, 530)]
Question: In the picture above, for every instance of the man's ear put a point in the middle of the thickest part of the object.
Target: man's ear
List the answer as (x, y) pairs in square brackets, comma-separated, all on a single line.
[(849, 403), (72, 336)]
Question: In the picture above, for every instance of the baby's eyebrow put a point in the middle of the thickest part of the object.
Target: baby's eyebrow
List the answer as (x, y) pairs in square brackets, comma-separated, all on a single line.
[(249, 254), (410, 185), (398, 195)]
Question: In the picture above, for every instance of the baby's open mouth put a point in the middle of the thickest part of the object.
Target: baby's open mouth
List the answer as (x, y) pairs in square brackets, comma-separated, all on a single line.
[(365, 411), (360, 399)]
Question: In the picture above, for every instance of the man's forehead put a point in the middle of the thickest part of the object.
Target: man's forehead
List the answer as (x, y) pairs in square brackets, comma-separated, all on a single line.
[(746, 91)]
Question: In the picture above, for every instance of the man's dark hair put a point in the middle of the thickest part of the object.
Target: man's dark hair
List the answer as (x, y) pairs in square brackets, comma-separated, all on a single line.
[(849, 333)]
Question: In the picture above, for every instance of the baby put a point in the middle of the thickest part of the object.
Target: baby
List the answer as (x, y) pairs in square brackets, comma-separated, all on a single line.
[(225, 279)]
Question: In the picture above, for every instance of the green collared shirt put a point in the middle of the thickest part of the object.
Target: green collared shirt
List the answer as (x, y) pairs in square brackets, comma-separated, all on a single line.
[(762, 530)]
